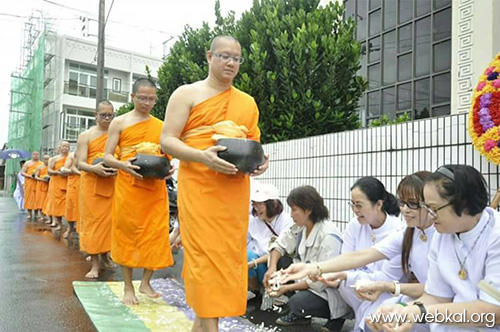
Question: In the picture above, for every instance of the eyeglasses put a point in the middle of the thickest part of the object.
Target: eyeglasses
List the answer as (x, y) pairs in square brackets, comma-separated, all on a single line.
[(410, 205), (433, 211), (144, 100), (226, 57), (355, 206), (107, 115)]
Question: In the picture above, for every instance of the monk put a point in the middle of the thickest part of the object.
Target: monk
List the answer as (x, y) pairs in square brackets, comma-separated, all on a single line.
[(213, 197), (28, 172), (72, 213), (97, 185), (42, 185), (59, 183), (139, 237)]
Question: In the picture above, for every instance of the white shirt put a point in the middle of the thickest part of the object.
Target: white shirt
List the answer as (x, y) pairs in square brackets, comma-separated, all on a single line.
[(483, 262), (359, 237), (259, 234), (392, 246)]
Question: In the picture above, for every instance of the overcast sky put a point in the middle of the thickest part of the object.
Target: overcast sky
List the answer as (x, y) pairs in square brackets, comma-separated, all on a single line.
[(140, 26)]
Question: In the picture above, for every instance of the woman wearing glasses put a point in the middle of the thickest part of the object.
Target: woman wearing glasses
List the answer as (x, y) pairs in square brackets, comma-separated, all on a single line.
[(465, 252)]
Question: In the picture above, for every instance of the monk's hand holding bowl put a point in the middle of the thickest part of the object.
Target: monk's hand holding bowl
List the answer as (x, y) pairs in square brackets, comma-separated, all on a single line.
[(102, 170), (131, 169), (212, 160), (170, 172), (262, 168)]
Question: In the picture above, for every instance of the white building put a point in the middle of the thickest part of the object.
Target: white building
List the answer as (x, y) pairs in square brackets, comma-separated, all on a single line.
[(71, 81), (423, 57)]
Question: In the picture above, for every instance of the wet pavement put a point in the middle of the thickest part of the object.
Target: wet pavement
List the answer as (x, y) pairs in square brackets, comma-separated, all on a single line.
[(38, 266)]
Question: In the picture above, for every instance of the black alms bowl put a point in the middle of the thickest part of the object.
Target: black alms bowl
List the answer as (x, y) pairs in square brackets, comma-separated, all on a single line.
[(97, 161), (245, 154), (152, 166)]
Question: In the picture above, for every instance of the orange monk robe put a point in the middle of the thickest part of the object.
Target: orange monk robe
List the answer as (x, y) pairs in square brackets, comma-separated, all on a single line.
[(213, 214), (96, 202), (58, 198), (30, 187), (140, 210), (41, 189), (47, 205), (73, 183)]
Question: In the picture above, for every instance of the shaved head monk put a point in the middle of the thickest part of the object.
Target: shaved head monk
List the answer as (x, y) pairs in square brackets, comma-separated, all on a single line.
[(28, 171), (97, 185), (140, 210), (213, 196), (59, 185)]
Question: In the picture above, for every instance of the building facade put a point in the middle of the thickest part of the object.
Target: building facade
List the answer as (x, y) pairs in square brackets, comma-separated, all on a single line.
[(422, 57), (70, 85)]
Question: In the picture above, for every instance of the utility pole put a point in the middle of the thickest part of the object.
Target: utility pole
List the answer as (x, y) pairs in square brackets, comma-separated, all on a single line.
[(100, 54)]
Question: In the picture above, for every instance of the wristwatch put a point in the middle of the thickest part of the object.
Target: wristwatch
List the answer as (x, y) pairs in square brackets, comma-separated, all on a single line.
[(423, 312)]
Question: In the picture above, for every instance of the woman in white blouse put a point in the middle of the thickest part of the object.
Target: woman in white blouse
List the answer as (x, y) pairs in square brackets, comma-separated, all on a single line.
[(267, 222)]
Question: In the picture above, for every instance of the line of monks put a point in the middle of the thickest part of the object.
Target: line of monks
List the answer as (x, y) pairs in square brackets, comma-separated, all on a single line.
[(117, 210)]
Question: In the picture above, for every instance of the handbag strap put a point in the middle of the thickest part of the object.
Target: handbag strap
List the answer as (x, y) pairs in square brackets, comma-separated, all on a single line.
[(270, 228)]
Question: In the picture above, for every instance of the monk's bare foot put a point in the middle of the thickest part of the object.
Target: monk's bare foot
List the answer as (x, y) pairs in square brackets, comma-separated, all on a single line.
[(28, 216), (93, 274), (48, 221), (147, 290), (129, 298), (88, 259)]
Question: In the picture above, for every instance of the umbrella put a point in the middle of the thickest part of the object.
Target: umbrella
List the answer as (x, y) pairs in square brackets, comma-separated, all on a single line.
[(14, 154)]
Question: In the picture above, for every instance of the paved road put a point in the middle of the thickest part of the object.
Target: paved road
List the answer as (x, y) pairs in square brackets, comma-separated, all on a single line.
[(37, 268)]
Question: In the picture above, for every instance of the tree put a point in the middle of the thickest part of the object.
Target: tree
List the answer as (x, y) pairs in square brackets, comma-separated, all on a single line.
[(301, 65)]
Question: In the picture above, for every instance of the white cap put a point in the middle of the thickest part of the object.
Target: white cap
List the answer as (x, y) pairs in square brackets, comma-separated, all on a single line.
[(264, 192)]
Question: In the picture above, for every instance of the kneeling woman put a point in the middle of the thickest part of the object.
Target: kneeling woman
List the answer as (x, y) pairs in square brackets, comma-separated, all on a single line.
[(267, 222), (312, 238)]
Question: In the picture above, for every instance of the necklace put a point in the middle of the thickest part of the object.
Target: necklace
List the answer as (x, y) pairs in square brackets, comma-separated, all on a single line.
[(462, 273), (423, 237)]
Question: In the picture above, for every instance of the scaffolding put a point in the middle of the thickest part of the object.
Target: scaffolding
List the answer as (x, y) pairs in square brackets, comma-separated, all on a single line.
[(26, 96)]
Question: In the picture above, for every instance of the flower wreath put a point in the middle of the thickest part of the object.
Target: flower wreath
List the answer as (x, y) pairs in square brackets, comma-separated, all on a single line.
[(484, 115)]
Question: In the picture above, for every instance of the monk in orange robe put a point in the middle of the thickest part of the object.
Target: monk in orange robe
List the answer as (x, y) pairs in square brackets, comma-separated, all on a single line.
[(47, 206), (213, 197), (59, 183), (71, 214), (140, 210), (42, 185), (28, 171), (97, 185)]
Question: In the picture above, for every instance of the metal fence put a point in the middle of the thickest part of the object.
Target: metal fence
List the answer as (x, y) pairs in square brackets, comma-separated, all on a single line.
[(332, 163)]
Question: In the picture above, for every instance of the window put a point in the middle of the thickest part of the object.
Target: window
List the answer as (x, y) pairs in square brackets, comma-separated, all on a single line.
[(82, 81), (389, 51), (75, 122), (117, 84), (374, 22), (389, 14), (423, 47), (406, 56)]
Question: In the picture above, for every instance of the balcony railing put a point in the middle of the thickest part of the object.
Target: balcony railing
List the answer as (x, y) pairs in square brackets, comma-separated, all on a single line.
[(87, 91)]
